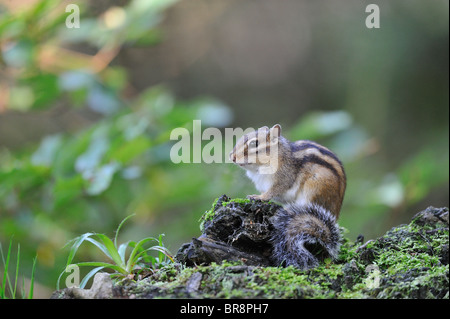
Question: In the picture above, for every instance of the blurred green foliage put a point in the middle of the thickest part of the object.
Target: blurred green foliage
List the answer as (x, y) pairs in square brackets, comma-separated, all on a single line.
[(91, 178)]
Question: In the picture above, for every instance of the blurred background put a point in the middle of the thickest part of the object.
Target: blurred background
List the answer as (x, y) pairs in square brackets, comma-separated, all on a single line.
[(86, 113)]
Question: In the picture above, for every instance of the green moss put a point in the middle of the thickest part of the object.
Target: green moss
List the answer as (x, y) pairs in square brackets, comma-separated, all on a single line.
[(241, 201), (410, 247), (409, 261), (209, 214)]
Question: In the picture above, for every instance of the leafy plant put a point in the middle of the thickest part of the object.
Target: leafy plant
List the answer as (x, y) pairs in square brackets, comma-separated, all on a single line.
[(121, 266), (6, 283)]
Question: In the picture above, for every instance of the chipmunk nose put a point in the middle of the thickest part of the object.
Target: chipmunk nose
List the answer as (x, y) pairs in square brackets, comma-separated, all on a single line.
[(233, 157)]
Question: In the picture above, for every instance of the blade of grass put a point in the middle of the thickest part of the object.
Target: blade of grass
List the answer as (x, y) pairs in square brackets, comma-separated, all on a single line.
[(114, 254), (59, 278), (5, 274), (144, 255), (161, 254), (164, 251), (161, 250), (103, 264), (132, 259), (140, 255), (30, 293), (2, 284), (89, 275), (100, 246), (76, 244), (122, 249), (2, 290), (17, 270), (119, 227)]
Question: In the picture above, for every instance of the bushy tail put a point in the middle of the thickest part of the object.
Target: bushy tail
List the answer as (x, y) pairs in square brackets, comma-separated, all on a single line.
[(304, 236)]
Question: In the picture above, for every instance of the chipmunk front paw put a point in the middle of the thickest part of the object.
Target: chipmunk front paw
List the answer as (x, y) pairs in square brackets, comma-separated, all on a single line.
[(258, 197)]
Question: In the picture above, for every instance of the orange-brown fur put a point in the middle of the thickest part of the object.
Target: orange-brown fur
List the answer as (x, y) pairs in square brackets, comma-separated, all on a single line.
[(310, 170)]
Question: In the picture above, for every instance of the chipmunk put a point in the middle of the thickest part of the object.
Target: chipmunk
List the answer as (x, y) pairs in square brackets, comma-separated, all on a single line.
[(308, 180)]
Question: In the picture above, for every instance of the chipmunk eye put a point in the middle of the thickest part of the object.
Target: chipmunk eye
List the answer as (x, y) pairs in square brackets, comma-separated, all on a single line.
[(253, 143)]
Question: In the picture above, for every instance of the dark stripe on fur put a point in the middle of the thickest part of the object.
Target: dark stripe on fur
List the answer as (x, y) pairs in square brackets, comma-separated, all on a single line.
[(295, 147), (245, 148), (316, 160)]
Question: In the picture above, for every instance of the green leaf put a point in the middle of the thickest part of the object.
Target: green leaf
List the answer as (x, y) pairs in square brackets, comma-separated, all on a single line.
[(76, 244), (67, 190), (46, 152), (132, 259), (100, 178), (100, 246), (17, 270), (45, 89), (21, 98), (104, 265), (122, 250), (162, 250), (30, 293), (126, 152), (19, 54), (319, 124), (89, 275), (5, 271), (120, 226), (113, 253)]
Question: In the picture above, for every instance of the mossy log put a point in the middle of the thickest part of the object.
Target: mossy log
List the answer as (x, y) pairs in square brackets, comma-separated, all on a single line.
[(231, 259), (233, 230)]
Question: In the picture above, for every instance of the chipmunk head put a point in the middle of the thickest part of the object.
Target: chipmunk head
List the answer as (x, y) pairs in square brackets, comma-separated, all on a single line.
[(257, 148)]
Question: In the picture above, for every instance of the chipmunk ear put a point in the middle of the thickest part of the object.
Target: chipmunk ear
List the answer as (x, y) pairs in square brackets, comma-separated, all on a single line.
[(265, 128), (275, 131)]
